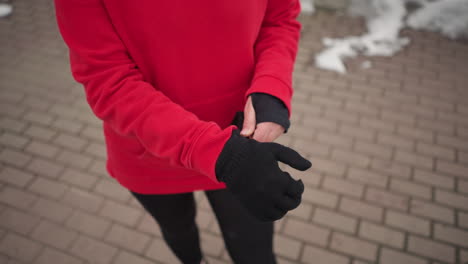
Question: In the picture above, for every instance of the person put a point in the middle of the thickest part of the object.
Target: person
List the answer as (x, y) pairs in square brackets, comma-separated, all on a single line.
[(168, 78)]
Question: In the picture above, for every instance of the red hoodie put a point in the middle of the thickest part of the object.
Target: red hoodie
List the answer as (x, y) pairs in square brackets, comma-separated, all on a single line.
[(166, 78)]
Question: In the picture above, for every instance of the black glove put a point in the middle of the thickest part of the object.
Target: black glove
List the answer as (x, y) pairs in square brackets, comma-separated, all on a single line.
[(269, 108), (251, 172)]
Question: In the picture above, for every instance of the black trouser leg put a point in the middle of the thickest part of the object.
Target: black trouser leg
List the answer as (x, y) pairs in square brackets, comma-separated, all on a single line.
[(248, 240), (175, 214)]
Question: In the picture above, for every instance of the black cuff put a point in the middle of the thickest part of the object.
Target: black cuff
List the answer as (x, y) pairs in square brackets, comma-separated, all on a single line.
[(269, 108)]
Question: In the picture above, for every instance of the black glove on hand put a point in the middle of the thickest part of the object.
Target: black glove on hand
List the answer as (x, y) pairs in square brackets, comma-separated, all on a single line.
[(269, 108), (251, 172)]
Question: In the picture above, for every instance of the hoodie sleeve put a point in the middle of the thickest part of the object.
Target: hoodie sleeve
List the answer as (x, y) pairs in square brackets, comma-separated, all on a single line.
[(118, 94), (276, 49)]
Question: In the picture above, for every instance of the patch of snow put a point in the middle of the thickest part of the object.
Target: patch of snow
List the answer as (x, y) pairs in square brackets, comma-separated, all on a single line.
[(307, 6), (5, 10), (384, 20), (382, 38), (449, 17), (366, 65)]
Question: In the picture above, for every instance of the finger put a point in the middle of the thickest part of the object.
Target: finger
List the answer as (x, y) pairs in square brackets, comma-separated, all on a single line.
[(291, 157), (287, 203), (295, 188), (275, 214), (248, 126)]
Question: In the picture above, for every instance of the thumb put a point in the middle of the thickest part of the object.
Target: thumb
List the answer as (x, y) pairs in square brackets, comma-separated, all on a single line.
[(248, 126), (290, 157)]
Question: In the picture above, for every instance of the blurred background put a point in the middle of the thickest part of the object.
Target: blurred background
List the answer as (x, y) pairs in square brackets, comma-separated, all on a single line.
[(387, 134)]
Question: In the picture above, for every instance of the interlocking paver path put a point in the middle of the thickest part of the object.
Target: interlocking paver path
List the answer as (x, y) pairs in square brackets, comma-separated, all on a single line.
[(389, 146)]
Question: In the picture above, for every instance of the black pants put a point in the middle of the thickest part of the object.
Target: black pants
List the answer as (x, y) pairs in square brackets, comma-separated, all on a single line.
[(247, 239)]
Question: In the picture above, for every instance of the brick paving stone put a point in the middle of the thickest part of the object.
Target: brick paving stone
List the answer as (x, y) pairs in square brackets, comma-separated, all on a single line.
[(391, 168), (71, 126), (78, 178), (386, 199), (351, 158), (38, 117), (343, 187), (95, 133), (408, 223), (19, 247), (432, 211), (97, 150), (17, 198), (211, 244), (413, 159), (127, 238), (12, 125), (319, 197), (363, 135), (381, 234), (328, 166), (454, 169), (93, 250), (436, 151), (50, 255), (120, 213), (307, 232), (410, 188), (451, 199), (434, 179), (452, 235), (463, 256), (13, 140), (98, 167), (335, 220), (52, 210), (40, 132), (463, 219), (287, 247), (149, 226), (18, 221), (376, 150), (367, 177), (462, 186), (46, 187), (390, 256), (15, 177), (416, 133), (352, 246), (360, 209), (88, 224), (53, 235), (303, 211), (14, 157), (124, 257), (45, 167), (315, 255), (83, 200), (159, 251), (112, 189), (431, 249), (74, 159), (70, 142), (45, 150), (395, 141)]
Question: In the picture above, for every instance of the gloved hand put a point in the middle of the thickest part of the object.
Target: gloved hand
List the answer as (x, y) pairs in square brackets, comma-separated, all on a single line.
[(251, 172), (269, 108)]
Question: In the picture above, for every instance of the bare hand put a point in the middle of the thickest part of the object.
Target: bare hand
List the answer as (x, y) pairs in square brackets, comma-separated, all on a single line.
[(263, 132)]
